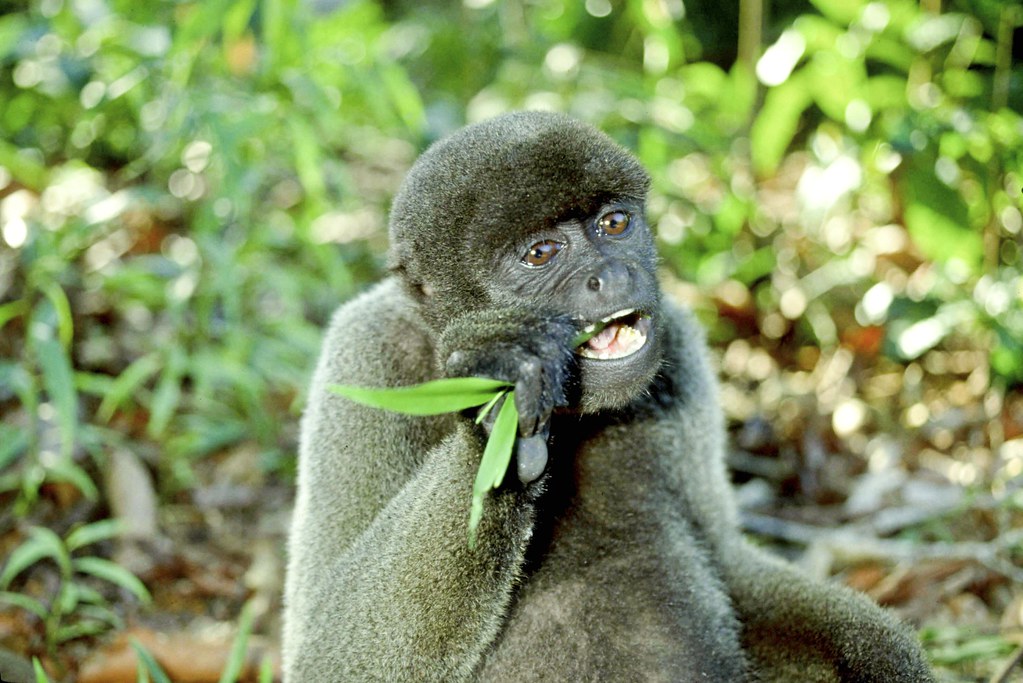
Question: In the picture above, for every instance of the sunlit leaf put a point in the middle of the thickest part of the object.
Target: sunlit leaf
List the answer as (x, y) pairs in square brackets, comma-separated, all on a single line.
[(494, 463), (938, 219), (114, 573), (430, 398), (843, 12), (776, 124)]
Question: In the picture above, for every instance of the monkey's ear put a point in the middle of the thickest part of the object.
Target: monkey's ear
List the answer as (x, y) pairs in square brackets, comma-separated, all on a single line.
[(397, 264)]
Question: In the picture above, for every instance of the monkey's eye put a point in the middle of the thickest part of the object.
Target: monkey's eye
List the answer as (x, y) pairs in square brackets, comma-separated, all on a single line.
[(613, 223), (541, 252)]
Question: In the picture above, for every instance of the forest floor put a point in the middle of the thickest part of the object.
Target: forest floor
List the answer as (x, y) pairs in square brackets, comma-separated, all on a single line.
[(895, 480)]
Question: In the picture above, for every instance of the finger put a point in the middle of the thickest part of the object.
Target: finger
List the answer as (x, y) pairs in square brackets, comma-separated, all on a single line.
[(531, 458), (528, 395)]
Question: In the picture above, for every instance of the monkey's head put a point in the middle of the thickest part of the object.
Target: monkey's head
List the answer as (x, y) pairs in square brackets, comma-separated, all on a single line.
[(540, 211)]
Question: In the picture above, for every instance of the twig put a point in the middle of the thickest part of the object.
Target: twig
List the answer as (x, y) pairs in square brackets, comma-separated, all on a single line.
[(1002, 676), (854, 544)]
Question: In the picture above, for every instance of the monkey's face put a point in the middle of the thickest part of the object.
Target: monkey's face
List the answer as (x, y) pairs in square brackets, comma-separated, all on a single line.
[(536, 210), (597, 265)]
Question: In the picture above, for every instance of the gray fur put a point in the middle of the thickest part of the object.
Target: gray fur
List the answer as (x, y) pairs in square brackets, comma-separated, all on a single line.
[(622, 560)]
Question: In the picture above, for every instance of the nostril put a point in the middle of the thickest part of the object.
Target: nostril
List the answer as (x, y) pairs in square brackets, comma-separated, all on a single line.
[(594, 283)]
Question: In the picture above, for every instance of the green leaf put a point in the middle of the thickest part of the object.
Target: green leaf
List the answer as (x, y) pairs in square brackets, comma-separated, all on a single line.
[(80, 629), (485, 410), (41, 543), (167, 394), (114, 573), (58, 379), (777, 122), (13, 442), (62, 307), (266, 670), (938, 219), (430, 398), (148, 664), (101, 613), (12, 310), (128, 383), (40, 673), (843, 12), (12, 27), (239, 647), (494, 462), (585, 336), (25, 602), (94, 533), (65, 470)]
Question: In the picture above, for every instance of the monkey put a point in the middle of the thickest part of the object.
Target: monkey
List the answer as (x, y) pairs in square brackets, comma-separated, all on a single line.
[(612, 551)]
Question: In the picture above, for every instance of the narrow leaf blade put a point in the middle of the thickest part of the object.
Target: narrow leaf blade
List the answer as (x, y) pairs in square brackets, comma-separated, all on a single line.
[(42, 543), (494, 462), (25, 602), (430, 398), (239, 647), (115, 574), (93, 533), (148, 663)]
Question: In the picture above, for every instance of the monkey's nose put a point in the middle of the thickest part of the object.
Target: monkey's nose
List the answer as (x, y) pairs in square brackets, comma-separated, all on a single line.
[(614, 276)]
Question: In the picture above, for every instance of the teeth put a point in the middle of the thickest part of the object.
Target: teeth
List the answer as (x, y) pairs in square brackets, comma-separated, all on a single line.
[(626, 341), (590, 328), (620, 314)]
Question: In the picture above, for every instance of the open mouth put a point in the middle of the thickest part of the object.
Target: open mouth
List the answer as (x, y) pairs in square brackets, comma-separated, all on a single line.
[(618, 335)]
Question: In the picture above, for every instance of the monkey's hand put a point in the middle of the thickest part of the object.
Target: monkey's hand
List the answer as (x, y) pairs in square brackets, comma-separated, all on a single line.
[(530, 351)]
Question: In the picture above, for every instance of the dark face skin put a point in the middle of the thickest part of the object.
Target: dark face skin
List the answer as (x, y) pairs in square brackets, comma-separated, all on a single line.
[(598, 268)]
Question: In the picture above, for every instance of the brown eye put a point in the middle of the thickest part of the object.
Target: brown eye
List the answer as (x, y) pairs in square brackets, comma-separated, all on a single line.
[(541, 252), (614, 223)]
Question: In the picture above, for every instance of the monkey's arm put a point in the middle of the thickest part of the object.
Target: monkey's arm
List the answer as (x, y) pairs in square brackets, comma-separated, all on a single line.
[(795, 628), (381, 582)]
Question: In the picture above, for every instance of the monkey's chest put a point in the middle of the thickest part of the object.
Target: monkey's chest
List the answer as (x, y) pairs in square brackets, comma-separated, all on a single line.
[(633, 614)]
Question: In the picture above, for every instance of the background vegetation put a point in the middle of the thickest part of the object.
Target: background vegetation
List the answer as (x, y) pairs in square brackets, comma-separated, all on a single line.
[(187, 189)]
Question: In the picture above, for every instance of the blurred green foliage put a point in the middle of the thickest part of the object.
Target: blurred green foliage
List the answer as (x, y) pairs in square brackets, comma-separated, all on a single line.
[(187, 189)]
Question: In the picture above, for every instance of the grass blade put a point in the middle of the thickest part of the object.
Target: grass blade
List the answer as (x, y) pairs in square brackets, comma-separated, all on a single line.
[(485, 410), (494, 462), (40, 673), (239, 647), (430, 398), (585, 336), (114, 573), (148, 664), (128, 383), (42, 543), (94, 533), (29, 604)]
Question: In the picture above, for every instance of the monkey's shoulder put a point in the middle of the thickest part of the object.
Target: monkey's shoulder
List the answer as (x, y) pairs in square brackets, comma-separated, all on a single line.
[(378, 337)]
